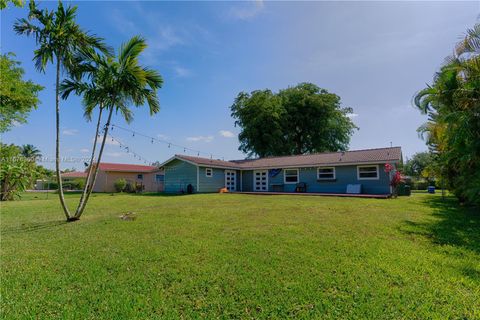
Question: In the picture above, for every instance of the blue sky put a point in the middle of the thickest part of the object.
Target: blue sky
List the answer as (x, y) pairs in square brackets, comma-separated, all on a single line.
[(374, 55)]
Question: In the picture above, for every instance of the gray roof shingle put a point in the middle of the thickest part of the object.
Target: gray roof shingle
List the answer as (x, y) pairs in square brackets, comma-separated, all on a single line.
[(393, 154)]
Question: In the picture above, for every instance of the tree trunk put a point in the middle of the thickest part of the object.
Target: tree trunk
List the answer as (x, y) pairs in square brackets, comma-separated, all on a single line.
[(105, 133), (82, 203), (57, 144)]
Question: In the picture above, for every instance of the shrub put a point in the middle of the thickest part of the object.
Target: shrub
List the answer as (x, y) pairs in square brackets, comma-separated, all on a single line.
[(120, 185), (16, 172)]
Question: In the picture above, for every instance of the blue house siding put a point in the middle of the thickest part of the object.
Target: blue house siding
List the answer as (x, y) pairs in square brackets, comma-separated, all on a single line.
[(344, 175), (213, 183), (247, 180), (178, 175)]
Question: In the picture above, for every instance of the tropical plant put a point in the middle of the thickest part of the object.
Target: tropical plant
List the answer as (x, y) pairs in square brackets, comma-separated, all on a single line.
[(453, 109), (297, 120), (29, 151), (112, 84), (58, 38), (16, 172), (17, 96)]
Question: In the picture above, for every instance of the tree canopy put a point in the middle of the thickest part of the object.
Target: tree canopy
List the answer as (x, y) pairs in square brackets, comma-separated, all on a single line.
[(419, 166), (452, 131), (17, 96), (297, 120)]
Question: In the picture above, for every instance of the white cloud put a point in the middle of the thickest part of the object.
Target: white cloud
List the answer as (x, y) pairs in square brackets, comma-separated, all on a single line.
[(182, 72), (16, 124), (226, 134), (84, 150), (200, 138), (114, 154), (70, 132), (352, 115), (247, 10), (162, 136)]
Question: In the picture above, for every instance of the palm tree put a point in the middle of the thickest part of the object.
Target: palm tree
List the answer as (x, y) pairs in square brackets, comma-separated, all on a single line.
[(58, 38), (453, 129), (29, 151), (112, 84)]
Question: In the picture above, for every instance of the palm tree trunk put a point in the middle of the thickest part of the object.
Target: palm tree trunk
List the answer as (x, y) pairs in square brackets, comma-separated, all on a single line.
[(105, 133), (57, 143), (82, 203)]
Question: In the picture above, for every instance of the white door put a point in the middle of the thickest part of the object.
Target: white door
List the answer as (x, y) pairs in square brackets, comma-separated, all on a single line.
[(231, 180), (260, 180)]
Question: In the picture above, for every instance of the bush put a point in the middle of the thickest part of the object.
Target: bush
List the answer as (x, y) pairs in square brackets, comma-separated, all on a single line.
[(120, 185)]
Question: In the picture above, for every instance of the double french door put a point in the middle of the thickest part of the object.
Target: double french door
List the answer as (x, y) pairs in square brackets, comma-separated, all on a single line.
[(231, 180), (260, 180)]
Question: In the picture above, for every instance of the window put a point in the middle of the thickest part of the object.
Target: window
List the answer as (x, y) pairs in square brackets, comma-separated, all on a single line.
[(140, 176), (159, 178), (367, 172), (326, 173), (290, 175), (208, 172)]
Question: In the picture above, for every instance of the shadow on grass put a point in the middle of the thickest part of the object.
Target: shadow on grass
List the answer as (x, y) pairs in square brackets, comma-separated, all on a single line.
[(34, 226), (453, 224)]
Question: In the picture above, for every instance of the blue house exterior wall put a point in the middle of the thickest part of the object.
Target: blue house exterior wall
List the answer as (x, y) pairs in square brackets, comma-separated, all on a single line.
[(344, 175), (213, 183), (178, 175), (247, 180)]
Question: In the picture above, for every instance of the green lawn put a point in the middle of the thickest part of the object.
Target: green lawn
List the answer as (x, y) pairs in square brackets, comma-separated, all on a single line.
[(241, 256)]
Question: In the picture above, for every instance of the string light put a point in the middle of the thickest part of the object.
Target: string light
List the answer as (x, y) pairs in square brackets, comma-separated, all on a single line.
[(129, 150), (168, 143)]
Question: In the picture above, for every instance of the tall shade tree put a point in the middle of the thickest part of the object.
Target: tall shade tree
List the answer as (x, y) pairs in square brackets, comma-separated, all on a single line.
[(112, 84), (297, 120), (17, 96), (58, 38), (453, 127)]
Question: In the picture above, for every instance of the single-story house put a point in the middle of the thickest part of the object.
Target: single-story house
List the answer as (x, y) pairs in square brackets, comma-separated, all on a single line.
[(149, 177), (332, 172)]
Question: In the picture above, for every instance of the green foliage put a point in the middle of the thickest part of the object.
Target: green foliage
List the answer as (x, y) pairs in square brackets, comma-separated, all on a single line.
[(217, 256), (453, 127), (16, 172), (16, 3), (421, 165), (297, 120), (17, 96), (115, 83), (29, 151), (120, 184), (75, 184)]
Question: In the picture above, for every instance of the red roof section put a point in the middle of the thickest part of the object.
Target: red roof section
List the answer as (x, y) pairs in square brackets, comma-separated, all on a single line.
[(74, 174), (122, 167)]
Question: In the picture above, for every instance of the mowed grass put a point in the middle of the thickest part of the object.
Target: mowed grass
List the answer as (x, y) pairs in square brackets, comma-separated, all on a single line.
[(241, 256)]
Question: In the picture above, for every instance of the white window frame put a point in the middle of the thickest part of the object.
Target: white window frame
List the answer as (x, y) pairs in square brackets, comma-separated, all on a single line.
[(285, 176), (334, 173), (208, 175), (368, 178)]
